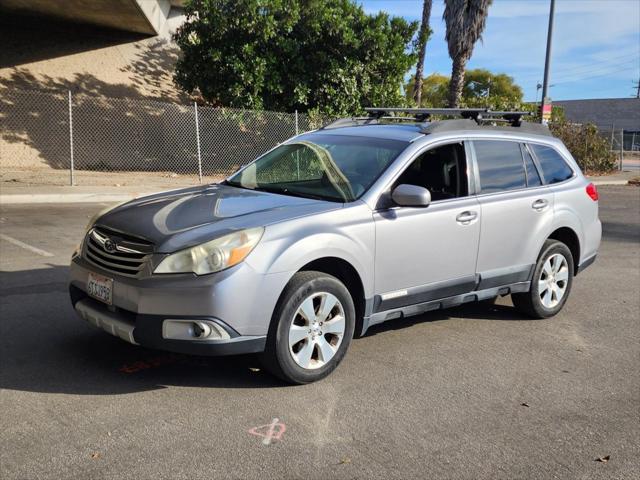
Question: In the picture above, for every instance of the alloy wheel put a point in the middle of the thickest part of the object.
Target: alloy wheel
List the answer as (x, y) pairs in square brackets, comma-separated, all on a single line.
[(553, 280), (316, 330)]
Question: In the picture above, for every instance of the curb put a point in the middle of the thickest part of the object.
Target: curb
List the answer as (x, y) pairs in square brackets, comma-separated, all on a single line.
[(65, 198), (601, 183)]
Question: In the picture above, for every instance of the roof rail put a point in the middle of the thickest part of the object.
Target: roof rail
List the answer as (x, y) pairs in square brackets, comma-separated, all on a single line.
[(358, 121), (477, 114)]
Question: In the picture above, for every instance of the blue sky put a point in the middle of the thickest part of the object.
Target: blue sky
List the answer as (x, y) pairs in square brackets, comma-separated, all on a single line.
[(596, 44)]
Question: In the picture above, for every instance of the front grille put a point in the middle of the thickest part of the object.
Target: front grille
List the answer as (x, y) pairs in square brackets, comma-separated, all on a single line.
[(117, 252)]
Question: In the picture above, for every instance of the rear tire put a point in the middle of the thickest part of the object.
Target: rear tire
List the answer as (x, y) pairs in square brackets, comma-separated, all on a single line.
[(311, 328), (550, 284)]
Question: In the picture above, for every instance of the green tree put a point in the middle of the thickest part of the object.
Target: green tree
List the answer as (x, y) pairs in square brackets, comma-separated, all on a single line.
[(435, 88), (423, 36), (465, 21), (310, 55), (481, 88), (497, 91)]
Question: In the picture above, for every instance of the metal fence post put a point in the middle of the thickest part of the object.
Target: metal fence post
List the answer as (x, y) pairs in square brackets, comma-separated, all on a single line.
[(70, 141), (296, 122), (613, 130), (195, 108), (621, 148)]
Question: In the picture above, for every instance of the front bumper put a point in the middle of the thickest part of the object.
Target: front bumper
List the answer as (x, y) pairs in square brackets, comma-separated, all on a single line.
[(239, 299), (146, 330)]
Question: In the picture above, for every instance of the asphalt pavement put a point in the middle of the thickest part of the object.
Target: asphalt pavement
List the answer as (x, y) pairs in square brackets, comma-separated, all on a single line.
[(473, 392)]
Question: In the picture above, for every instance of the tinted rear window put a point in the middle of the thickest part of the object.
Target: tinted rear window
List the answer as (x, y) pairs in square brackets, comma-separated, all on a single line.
[(554, 168), (500, 165)]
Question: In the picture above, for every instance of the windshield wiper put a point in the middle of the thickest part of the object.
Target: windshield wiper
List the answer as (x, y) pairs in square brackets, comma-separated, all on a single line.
[(282, 191), (286, 191), (235, 184)]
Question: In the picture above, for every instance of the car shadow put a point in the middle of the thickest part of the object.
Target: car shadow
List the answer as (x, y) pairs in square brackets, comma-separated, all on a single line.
[(45, 347), (471, 311)]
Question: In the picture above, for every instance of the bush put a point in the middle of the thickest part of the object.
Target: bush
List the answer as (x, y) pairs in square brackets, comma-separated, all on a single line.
[(588, 147)]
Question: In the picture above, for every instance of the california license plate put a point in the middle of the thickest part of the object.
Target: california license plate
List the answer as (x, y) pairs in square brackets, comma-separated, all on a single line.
[(100, 288)]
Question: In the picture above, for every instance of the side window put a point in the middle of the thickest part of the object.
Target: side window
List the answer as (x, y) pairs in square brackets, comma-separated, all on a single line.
[(500, 165), (533, 177), (554, 168), (441, 170)]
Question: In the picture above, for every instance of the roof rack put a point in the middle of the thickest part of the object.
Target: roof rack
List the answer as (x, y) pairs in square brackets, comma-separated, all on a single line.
[(477, 114), (468, 119)]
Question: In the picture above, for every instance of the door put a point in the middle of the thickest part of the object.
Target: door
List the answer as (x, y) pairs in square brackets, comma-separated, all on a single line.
[(517, 211), (428, 253)]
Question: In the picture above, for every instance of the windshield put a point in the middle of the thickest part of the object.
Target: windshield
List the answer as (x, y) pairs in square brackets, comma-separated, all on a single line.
[(328, 167)]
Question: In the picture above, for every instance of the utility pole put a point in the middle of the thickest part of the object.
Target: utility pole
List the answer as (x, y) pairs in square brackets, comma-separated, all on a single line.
[(637, 87), (547, 60)]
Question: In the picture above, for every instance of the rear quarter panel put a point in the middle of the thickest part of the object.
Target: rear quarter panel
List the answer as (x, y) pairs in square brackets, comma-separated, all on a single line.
[(576, 210)]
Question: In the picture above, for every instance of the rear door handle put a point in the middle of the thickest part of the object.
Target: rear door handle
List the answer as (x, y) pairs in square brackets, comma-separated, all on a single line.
[(539, 204), (465, 218)]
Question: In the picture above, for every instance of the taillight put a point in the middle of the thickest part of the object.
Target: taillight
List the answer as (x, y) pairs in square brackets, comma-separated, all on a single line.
[(592, 191)]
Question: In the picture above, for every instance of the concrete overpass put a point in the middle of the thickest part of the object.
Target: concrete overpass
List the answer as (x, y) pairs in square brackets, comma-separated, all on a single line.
[(146, 17)]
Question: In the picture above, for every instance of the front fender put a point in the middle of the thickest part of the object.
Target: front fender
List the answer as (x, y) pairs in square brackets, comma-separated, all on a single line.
[(347, 234)]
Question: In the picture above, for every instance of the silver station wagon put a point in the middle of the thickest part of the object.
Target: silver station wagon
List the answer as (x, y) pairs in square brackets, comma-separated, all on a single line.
[(364, 221)]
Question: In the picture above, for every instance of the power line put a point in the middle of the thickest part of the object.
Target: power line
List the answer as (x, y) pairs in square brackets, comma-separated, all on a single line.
[(598, 71), (587, 75), (594, 76), (596, 66), (586, 69)]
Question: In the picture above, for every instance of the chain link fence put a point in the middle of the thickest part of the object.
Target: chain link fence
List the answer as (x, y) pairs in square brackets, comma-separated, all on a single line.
[(624, 143), (63, 138), (60, 138)]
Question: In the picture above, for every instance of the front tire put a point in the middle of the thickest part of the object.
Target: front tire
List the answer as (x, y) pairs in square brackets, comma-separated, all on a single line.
[(311, 328), (550, 284)]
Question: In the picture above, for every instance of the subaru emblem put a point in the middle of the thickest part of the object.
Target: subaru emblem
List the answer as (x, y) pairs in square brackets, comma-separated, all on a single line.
[(110, 246)]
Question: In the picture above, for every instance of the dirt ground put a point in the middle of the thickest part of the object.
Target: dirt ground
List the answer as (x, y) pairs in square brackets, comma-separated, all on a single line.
[(44, 175)]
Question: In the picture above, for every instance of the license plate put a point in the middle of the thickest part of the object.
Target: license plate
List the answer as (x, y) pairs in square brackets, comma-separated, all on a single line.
[(100, 288)]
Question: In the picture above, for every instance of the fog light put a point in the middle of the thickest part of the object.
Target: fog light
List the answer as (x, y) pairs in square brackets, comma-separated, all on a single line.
[(201, 330), (174, 329)]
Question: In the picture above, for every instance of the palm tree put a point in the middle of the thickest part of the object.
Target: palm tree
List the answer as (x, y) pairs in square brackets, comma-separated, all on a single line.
[(423, 37), (465, 21)]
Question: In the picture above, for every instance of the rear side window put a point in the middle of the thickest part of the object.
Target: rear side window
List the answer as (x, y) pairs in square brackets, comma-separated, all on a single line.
[(500, 165), (533, 177), (554, 168)]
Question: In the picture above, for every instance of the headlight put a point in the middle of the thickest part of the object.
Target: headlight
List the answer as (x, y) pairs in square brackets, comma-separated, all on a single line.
[(213, 256)]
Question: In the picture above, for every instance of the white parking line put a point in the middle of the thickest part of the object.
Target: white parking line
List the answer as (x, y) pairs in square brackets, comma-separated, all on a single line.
[(25, 245)]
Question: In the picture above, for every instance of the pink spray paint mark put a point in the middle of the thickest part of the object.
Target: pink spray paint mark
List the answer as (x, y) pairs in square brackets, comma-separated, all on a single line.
[(271, 432)]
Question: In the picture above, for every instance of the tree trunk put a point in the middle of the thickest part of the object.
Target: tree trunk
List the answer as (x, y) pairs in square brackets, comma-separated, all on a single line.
[(423, 36), (457, 81)]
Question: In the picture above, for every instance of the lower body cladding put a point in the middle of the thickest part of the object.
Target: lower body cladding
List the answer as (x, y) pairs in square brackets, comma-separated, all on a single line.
[(227, 313), (449, 293)]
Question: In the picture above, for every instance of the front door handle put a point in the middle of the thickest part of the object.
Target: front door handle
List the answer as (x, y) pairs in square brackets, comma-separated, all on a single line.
[(539, 204), (466, 217)]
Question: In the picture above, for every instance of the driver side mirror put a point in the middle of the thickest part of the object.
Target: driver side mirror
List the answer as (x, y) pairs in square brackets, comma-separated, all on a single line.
[(407, 195)]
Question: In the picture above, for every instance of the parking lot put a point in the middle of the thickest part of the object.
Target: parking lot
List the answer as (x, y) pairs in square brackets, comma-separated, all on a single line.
[(472, 392)]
